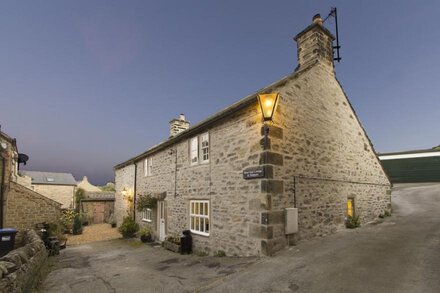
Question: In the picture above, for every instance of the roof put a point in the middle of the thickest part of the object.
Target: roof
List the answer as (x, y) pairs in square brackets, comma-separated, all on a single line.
[(201, 126), (99, 196), (87, 186), (50, 178), (434, 152)]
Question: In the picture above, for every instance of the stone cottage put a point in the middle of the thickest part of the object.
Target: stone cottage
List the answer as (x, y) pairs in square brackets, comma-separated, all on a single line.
[(248, 186), (54, 185), (21, 208)]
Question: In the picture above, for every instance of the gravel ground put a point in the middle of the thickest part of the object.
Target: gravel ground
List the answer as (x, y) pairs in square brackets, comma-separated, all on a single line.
[(93, 233)]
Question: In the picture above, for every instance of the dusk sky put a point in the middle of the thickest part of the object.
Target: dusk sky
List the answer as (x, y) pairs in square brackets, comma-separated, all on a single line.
[(85, 85)]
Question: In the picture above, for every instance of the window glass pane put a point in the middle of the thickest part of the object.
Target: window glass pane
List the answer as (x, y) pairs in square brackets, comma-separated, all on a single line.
[(206, 209), (207, 225), (197, 208), (194, 150), (192, 208), (192, 223)]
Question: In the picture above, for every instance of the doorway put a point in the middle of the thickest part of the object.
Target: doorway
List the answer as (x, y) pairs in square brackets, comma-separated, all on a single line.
[(161, 222)]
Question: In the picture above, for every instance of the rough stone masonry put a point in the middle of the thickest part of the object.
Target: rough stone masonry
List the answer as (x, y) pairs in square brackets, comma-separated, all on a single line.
[(318, 156)]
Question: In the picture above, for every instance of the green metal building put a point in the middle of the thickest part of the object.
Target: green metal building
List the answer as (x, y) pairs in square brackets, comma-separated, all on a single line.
[(412, 166)]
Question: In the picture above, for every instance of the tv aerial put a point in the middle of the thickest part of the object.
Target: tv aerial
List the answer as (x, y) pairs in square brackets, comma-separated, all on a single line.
[(334, 13)]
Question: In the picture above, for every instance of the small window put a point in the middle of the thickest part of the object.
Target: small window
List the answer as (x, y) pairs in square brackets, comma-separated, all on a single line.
[(49, 179), (146, 215), (199, 217), (194, 152), (350, 207), (204, 147), (148, 166)]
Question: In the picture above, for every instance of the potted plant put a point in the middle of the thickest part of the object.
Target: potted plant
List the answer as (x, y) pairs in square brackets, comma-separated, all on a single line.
[(145, 234), (67, 219), (172, 243)]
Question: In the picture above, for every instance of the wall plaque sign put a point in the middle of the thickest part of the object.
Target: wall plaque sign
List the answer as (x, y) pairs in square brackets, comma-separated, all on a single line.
[(253, 172)]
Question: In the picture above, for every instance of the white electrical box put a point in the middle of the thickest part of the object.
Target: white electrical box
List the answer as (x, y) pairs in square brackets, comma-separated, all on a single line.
[(291, 220)]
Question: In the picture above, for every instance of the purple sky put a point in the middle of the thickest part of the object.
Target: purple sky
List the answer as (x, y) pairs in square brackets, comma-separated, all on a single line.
[(85, 85)]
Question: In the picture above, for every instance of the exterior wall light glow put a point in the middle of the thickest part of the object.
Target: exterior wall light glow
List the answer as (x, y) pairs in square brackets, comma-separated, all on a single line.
[(268, 103), (124, 192)]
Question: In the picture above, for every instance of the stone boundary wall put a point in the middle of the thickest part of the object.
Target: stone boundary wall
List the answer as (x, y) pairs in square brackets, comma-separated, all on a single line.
[(25, 208), (20, 268)]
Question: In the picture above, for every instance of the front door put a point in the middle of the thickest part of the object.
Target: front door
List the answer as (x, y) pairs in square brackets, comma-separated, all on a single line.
[(161, 208)]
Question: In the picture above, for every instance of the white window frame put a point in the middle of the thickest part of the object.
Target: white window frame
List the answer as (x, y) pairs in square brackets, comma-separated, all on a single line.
[(194, 150), (147, 215), (204, 138), (201, 216), (148, 166), (198, 153)]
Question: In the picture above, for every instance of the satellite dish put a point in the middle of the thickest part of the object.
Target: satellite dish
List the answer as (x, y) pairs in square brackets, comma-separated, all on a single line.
[(23, 158)]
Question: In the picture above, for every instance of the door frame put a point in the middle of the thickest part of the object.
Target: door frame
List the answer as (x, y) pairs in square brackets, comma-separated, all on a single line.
[(161, 220)]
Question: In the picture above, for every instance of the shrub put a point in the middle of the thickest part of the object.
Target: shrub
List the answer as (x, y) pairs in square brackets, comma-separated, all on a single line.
[(352, 222), (128, 227), (387, 213), (146, 201), (77, 225), (79, 195), (67, 218)]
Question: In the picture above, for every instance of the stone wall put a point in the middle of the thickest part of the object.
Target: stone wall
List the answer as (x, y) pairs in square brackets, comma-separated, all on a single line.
[(19, 269), (24, 208), (124, 179), (63, 194)]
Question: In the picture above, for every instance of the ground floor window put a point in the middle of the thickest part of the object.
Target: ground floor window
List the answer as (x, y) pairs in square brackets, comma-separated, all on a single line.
[(146, 215), (199, 217), (350, 207)]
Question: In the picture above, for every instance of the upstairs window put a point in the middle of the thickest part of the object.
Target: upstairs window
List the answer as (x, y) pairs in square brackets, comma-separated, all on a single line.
[(204, 147), (199, 149), (193, 150), (148, 166)]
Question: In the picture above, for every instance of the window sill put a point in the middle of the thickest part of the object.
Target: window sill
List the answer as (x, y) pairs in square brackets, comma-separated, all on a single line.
[(148, 221), (199, 233)]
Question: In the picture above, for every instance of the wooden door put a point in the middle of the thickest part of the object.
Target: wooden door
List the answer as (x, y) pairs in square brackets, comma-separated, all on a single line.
[(98, 212)]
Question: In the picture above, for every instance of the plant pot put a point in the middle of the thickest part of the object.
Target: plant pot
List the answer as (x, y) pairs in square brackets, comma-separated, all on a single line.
[(146, 238), (171, 246)]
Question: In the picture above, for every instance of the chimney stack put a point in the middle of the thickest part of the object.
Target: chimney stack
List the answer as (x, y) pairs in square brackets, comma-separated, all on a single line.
[(177, 125), (315, 44)]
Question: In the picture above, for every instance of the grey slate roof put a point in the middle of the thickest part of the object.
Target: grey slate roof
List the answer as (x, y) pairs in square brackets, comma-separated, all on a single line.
[(92, 196), (50, 178)]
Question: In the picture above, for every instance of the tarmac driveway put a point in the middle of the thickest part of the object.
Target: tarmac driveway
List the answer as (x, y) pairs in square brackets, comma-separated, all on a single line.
[(402, 254), (131, 266)]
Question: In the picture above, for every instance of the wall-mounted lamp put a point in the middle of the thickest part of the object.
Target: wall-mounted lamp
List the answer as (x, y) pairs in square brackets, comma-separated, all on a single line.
[(268, 103), (124, 192)]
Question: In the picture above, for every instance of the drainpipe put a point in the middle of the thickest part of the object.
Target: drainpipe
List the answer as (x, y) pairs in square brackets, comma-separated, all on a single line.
[(134, 192), (1, 191)]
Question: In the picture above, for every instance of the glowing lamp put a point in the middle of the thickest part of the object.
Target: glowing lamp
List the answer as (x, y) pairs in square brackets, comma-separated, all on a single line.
[(268, 103), (124, 192)]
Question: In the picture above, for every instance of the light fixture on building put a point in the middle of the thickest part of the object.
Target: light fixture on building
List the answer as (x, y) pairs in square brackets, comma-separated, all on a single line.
[(268, 103), (124, 192)]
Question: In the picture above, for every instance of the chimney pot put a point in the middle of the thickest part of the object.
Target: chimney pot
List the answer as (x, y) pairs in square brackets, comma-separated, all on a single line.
[(317, 19)]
